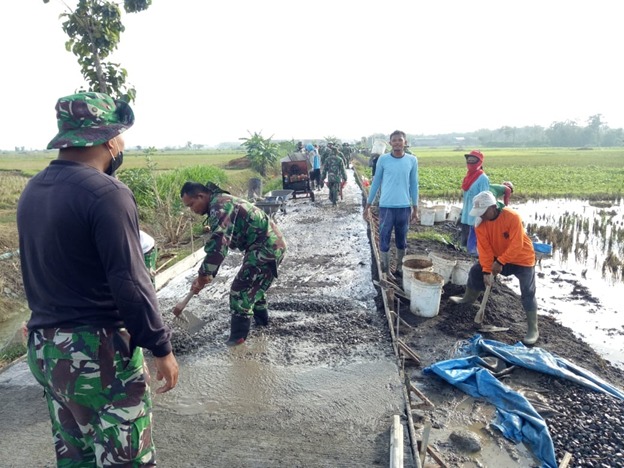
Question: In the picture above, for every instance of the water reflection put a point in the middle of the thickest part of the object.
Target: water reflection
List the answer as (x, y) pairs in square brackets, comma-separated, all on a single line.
[(584, 234)]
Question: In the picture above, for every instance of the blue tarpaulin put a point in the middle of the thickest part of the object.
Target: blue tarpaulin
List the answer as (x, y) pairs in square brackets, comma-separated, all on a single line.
[(516, 417)]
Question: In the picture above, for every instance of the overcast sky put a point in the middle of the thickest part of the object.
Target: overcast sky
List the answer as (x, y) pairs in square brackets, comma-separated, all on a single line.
[(209, 72)]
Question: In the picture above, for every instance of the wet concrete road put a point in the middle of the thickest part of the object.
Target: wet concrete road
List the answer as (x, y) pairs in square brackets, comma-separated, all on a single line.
[(318, 388)]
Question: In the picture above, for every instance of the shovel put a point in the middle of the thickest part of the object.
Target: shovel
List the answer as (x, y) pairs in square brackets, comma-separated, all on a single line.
[(188, 320), (479, 317)]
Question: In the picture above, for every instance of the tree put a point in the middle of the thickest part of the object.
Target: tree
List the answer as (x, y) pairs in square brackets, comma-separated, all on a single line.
[(262, 152), (595, 125), (94, 28)]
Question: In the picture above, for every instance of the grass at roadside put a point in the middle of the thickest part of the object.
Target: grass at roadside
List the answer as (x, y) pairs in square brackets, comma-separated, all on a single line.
[(11, 353)]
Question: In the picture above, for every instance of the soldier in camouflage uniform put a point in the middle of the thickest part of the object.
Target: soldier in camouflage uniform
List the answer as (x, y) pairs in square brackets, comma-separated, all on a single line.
[(93, 305), (334, 170), (236, 223)]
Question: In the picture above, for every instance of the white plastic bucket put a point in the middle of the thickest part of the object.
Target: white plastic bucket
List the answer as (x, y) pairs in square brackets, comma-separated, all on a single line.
[(440, 213), (460, 273), (427, 216), (454, 213), (379, 147), (443, 266), (412, 264), (426, 293)]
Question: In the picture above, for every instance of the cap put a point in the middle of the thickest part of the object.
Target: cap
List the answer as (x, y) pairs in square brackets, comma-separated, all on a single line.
[(476, 153), (90, 119), (481, 202), (509, 184)]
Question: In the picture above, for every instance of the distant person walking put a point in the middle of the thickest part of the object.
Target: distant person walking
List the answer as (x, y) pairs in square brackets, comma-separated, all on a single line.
[(235, 223), (92, 304), (315, 160), (396, 176), (335, 172), (474, 182)]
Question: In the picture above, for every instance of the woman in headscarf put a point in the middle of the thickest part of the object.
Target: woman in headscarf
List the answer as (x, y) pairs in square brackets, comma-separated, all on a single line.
[(474, 182)]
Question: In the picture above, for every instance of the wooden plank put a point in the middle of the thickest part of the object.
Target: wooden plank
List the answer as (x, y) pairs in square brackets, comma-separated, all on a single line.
[(403, 322), (421, 395), (565, 461), (408, 351), (396, 443), (423, 443), (384, 284), (436, 456)]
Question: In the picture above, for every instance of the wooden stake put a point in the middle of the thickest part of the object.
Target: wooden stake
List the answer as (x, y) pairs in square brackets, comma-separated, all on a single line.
[(421, 395), (423, 444), (565, 461), (436, 456), (408, 351), (396, 443)]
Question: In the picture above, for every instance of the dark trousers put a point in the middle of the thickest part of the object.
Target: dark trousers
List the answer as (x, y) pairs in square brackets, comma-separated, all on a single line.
[(396, 219), (526, 276)]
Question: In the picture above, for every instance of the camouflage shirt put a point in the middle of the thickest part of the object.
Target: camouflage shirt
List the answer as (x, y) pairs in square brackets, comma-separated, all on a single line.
[(236, 223), (334, 169)]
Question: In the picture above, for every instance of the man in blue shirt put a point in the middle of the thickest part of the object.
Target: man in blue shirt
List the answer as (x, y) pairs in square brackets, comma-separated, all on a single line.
[(396, 175)]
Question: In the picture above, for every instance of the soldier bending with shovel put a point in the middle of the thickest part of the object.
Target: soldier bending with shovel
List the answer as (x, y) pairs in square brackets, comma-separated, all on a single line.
[(237, 223)]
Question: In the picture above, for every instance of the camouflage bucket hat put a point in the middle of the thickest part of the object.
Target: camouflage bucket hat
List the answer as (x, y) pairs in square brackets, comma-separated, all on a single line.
[(90, 119)]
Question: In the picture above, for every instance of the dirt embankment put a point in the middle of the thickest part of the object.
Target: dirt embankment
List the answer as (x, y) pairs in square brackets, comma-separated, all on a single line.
[(574, 415)]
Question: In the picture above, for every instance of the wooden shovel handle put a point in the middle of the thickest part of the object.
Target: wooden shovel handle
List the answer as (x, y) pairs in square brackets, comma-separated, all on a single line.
[(179, 307), (479, 317)]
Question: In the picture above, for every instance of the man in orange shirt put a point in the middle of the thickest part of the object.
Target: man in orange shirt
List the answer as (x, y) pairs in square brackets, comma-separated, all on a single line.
[(504, 248)]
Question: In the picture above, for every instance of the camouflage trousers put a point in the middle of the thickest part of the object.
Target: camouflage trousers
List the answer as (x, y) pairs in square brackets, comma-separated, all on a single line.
[(334, 191), (98, 396), (248, 291)]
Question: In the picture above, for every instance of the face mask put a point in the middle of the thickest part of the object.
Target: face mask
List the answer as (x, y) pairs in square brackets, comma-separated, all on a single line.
[(115, 163)]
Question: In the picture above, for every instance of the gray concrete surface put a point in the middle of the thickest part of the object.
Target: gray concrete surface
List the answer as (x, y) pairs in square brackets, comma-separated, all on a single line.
[(319, 388)]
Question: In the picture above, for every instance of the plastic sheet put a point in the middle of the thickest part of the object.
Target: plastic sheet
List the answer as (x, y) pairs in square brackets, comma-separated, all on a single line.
[(516, 417), (540, 360)]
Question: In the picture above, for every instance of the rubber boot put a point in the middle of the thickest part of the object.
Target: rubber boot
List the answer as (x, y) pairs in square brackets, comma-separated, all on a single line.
[(532, 331), (399, 269), (469, 297), (261, 317), (385, 262), (239, 329)]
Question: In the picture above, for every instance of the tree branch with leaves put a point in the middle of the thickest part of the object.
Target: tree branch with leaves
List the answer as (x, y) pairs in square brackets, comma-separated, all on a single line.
[(94, 28)]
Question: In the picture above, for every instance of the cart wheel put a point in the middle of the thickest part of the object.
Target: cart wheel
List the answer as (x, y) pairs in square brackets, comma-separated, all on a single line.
[(312, 196)]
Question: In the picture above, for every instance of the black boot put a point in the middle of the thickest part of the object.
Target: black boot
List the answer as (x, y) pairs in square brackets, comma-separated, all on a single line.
[(239, 329), (261, 317)]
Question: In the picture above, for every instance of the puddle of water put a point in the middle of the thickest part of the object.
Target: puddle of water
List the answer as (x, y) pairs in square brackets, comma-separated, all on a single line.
[(592, 232), (583, 235)]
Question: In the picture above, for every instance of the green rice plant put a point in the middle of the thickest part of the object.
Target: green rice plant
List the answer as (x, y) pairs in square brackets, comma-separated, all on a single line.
[(430, 235), (11, 186)]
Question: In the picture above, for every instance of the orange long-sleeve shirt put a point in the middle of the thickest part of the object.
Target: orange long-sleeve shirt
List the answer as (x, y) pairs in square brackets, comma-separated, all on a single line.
[(504, 239)]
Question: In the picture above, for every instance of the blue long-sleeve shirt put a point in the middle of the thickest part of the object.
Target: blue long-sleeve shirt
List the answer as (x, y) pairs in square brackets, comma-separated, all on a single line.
[(480, 185), (398, 180)]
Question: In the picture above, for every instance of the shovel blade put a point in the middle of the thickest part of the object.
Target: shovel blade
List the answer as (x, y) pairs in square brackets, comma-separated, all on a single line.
[(492, 329), (189, 322)]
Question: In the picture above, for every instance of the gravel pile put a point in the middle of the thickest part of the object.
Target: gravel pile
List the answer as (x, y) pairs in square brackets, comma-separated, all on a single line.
[(590, 425)]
